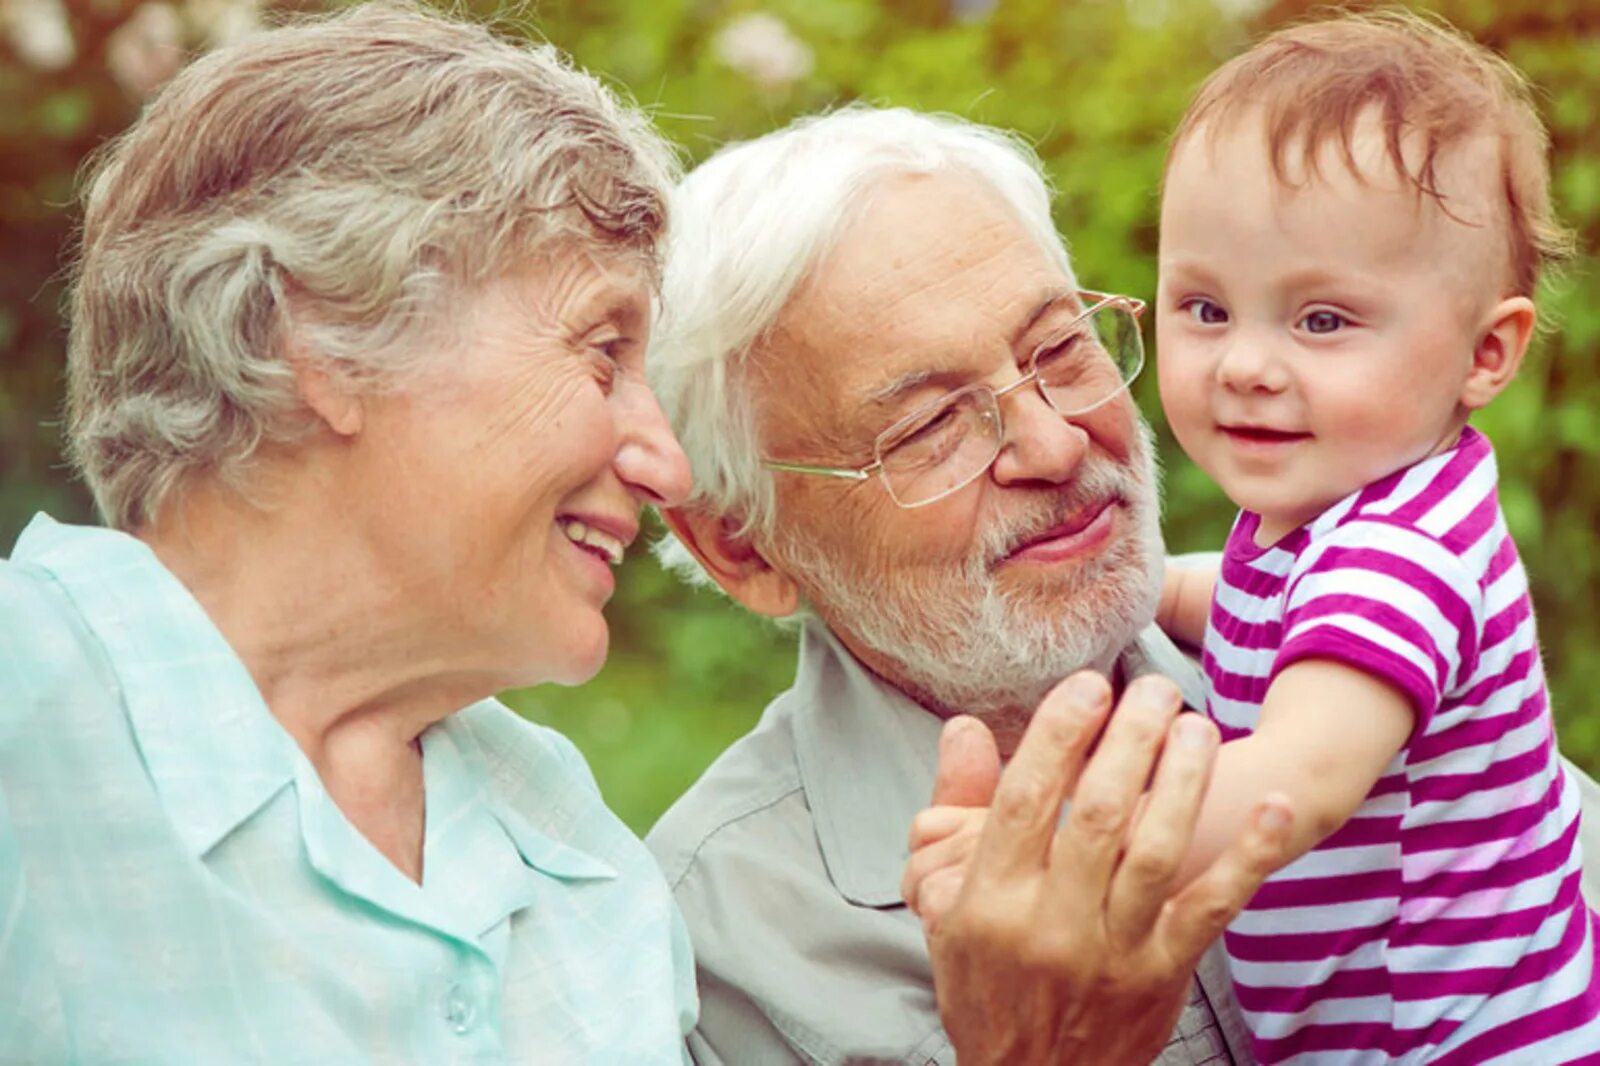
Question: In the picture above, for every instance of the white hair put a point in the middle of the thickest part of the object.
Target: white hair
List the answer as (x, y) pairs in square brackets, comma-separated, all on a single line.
[(748, 225)]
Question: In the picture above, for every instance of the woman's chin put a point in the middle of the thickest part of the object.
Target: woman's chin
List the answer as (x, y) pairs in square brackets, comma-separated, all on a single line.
[(577, 663)]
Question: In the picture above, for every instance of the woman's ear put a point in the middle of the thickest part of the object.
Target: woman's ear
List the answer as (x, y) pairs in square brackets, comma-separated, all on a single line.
[(329, 396), (1502, 342), (734, 562)]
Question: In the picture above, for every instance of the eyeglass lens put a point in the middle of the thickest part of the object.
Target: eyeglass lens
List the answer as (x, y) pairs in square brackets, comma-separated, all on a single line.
[(948, 444)]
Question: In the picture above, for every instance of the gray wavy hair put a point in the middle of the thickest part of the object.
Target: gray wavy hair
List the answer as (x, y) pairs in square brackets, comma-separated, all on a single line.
[(326, 186)]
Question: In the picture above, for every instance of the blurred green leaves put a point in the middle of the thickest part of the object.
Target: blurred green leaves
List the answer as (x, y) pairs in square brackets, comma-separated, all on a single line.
[(1094, 85)]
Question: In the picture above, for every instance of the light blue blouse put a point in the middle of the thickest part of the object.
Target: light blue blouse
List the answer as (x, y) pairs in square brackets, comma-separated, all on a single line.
[(177, 887)]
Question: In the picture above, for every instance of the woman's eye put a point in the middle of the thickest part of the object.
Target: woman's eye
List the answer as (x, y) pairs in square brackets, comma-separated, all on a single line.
[(1206, 312), (1323, 322), (608, 359)]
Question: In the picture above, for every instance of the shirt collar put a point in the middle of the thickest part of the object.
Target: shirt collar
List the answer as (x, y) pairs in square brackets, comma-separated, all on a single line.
[(538, 799), (867, 753), (482, 854), (212, 748)]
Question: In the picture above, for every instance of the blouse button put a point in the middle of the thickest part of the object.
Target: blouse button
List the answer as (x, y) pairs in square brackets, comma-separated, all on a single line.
[(459, 1011)]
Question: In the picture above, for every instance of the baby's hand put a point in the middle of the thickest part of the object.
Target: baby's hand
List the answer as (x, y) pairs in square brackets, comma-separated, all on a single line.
[(942, 842)]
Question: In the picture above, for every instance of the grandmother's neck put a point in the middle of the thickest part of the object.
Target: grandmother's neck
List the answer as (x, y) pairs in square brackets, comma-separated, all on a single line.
[(336, 651)]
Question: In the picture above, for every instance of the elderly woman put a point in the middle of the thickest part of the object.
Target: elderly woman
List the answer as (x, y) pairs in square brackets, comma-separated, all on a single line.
[(355, 376)]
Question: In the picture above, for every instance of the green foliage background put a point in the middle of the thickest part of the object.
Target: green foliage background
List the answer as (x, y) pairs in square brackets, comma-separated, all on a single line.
[(1096, 85)]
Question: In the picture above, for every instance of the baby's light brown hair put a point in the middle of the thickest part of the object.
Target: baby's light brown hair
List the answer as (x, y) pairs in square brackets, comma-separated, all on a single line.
[(1433, 88)]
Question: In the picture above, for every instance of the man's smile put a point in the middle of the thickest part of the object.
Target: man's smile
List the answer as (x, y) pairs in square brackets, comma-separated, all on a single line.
[(1083, 533)]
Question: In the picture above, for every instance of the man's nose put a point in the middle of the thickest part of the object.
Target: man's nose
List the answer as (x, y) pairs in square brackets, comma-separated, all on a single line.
[(1039, 444), (1250, 364)]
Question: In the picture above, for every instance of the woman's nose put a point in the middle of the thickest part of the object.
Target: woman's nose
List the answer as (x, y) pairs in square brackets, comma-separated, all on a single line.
[(649, 460)]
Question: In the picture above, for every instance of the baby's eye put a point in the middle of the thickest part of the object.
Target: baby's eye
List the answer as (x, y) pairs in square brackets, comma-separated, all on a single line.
[(1204, 311), (1323, 322)]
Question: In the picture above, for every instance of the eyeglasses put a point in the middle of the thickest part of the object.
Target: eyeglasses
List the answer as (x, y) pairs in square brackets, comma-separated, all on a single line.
[(945, 446)]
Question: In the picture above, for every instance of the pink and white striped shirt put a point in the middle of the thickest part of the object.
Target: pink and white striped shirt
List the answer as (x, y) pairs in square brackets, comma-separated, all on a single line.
[(1442, 922)]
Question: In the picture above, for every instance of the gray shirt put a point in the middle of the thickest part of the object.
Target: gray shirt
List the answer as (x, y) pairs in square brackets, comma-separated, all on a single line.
[(786, 860)]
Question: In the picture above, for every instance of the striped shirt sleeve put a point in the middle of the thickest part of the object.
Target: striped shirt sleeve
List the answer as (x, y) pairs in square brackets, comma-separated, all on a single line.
[(1389, 600)]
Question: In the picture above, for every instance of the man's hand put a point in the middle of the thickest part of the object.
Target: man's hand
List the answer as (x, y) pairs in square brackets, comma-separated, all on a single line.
[(1070, 945)]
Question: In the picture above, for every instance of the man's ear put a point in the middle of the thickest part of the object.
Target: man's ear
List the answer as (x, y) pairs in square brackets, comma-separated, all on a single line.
[(1502, 342), (733, 562), (330, 397)]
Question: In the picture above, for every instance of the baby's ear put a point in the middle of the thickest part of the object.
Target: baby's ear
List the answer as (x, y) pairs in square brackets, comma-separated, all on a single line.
[(1502, 342)]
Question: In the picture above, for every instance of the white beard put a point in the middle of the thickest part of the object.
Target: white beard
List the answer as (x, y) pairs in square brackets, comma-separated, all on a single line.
[(974, 648)]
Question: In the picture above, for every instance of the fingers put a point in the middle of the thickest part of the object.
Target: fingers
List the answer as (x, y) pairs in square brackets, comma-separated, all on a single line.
[(941, 838), (939, 894), (969, 764), (933, 824), (1159, 839), (1199, 913), (1087, 850), (941, 858), (1027, 803)]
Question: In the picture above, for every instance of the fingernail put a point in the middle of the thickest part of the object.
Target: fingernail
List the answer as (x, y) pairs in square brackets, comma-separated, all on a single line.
[(1086, 687), (1273, 817), (1193, 731), (961, 723), (1156, 690), (955, 729)]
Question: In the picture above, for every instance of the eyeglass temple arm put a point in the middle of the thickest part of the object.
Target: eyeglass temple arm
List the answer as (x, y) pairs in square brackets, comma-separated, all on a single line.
[(825, 471)]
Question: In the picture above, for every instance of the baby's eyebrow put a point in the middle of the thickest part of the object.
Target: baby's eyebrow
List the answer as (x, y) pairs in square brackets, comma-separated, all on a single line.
[(1311, 278), (1188, 267)]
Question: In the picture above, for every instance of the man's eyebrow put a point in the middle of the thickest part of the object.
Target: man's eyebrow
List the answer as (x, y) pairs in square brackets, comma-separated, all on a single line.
[(1047, 303), (886, 394)]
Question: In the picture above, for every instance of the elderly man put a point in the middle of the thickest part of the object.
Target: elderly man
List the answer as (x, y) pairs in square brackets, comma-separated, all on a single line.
[(908, 424)]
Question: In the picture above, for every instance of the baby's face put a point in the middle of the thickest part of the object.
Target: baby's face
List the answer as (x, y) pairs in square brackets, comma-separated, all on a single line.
[(1313, 338)]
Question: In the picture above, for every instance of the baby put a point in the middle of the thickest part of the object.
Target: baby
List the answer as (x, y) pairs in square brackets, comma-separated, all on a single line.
[(1355, 216), (1354, 219)]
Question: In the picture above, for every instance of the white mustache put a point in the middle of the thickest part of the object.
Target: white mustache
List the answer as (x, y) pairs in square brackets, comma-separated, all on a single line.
[(1100, 481)]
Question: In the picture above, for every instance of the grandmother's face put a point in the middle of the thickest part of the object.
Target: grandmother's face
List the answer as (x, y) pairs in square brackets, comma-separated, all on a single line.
[(1050, 561), (519, 468)]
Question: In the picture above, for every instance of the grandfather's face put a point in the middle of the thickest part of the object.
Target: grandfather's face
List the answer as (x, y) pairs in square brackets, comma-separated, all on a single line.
[(1048, 563)]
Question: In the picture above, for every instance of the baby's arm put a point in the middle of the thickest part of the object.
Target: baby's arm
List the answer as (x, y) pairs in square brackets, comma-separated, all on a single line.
[(1186, 593), (1326, 734)]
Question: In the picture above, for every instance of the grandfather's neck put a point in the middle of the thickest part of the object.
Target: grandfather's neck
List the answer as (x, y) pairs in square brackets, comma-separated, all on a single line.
[(1007, 715)]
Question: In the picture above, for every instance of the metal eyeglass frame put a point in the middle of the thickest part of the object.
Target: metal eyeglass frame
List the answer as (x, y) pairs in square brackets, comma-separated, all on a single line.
[(1099, 301)]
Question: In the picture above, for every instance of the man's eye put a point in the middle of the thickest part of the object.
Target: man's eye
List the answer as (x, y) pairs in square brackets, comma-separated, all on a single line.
[(1206, 312), (1323, 322)]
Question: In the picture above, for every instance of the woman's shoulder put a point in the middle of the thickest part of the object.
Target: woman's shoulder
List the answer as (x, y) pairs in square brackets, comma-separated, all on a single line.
[(47, 655)]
